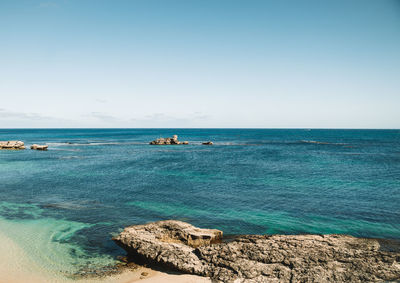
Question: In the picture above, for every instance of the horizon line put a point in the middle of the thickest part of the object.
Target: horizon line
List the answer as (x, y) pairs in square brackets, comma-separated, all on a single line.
[(183, 128)]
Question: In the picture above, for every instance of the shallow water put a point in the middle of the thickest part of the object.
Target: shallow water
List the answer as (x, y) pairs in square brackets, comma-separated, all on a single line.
[(63, 205)]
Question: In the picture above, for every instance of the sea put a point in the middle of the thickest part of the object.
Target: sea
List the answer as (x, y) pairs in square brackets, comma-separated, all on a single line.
[(64, 205)]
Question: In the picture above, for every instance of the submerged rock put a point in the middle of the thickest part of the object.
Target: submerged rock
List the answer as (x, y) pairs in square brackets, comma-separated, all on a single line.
[(12, 145), (39, 147), (260, 258), (166, 141)]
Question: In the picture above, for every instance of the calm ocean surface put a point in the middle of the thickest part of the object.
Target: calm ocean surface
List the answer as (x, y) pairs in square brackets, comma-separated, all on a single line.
[(63, 205)]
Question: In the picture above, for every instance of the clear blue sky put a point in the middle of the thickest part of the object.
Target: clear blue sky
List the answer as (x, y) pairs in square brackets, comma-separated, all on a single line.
[(186, 63)]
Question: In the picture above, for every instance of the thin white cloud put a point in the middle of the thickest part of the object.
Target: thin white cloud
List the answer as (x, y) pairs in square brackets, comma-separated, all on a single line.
[(157, 120), (21, 115), (104, 117), (12, 119)]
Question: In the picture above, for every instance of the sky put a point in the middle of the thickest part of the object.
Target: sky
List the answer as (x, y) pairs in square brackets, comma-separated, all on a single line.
[(200, 63)]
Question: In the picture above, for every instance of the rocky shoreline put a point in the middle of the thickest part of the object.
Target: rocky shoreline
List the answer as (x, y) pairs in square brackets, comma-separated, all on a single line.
[(19, 145), (179, 246)]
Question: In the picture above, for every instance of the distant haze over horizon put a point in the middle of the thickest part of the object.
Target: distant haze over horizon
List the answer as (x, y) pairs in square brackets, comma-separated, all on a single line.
[(200, 64), (198, 128)]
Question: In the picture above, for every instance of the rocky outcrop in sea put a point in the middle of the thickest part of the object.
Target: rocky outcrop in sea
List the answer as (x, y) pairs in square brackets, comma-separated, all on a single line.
[(168, 141), (39, 147), (12, 145), (182, 247)]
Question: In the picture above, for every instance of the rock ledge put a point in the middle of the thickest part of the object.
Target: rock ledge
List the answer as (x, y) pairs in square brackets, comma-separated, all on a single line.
[(166, 141), (260, 258), (12, 145), (39, 147)]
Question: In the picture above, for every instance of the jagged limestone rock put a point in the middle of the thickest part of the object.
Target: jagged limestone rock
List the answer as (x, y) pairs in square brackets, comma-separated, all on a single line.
[(260, 258), (165, 141), (12, 145), (39, 147)]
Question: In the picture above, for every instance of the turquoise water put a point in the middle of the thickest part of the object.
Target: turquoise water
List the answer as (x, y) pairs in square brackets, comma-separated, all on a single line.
[(93, 182)]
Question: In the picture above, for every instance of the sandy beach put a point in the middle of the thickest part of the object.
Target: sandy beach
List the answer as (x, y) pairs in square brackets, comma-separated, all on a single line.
[(17, 267)]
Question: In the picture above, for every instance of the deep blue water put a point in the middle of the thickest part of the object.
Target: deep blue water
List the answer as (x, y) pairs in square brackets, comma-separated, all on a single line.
[(249, 181)]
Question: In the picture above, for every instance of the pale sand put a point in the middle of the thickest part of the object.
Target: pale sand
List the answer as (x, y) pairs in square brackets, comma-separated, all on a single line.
[(16, 267)]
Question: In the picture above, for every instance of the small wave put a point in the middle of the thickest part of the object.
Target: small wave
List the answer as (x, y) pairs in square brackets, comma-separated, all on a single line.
[(228, 143), (231, 143), (319, 142), (70, 157), (191, 150), (56, 143), (99, 143), (92, 143), (63, 149)]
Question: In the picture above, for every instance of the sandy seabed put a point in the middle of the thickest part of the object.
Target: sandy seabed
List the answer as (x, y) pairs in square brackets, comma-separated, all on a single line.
[(17, 267)]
